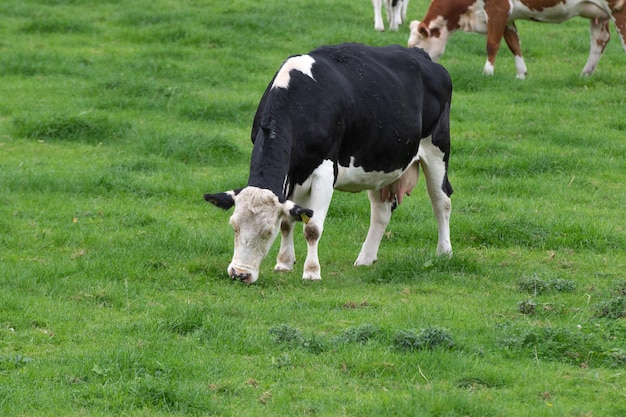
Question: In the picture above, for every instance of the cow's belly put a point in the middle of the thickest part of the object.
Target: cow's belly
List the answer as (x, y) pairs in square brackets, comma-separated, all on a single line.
[(355, 179), (560, 12)]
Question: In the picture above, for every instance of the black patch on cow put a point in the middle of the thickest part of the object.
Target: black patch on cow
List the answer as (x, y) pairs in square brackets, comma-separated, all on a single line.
[(364, 104)]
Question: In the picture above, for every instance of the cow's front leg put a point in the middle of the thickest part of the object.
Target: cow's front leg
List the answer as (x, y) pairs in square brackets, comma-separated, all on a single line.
[(600, 35), (286, 255), (380, 214), (321, 193), (512, 40)]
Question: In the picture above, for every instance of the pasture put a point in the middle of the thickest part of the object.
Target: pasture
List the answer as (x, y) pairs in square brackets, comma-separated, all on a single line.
[(115, 118)]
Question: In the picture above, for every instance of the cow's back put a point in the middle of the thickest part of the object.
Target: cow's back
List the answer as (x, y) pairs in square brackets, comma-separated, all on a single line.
[(364, 105)]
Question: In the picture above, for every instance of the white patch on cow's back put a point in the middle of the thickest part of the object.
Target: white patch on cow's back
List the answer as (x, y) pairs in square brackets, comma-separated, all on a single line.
[(355, 179), (302, 63)]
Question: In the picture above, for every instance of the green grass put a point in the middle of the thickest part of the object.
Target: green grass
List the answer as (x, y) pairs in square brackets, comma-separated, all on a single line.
[(116, 117)]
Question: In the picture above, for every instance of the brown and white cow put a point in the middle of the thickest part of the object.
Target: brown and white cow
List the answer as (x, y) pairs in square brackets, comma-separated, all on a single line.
[(496, 18), (396, 13)]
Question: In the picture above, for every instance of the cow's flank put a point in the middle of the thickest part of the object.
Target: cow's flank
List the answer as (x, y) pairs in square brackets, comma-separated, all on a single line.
[(349, 117), (496, 19)]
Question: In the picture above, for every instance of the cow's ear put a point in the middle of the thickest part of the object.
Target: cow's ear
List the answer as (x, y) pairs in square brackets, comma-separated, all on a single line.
[(416, 27), (423, 30), (222, 200), (298, 213)]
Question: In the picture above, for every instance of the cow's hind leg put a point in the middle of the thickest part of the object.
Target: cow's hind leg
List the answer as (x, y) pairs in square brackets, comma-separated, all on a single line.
[(600, 35), (380, 214), (439, 190), (512, 40)]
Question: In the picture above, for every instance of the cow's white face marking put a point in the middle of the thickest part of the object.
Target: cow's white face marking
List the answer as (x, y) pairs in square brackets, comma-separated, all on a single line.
[(256, 222), (435, 42), (302, 63)]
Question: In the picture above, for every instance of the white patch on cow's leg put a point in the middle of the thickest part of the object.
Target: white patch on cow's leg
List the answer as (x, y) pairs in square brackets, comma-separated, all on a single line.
[(321, 193), (405, 6), (600, 35), (395, 16), (312, 269), (378, 15), (520, 66), (488, 70), (380, 214), (286, 255), (431, 160)]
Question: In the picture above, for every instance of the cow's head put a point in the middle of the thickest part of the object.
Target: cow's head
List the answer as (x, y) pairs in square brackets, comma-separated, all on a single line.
[(431, 37), (256, 221)]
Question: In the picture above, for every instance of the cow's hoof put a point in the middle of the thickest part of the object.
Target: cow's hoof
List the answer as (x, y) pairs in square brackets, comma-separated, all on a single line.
[(363, 261), (311, 278), (312, 275), (283, 268)]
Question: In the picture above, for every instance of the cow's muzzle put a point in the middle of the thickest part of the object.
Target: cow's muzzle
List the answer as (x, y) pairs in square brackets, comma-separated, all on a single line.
[(241, 275)]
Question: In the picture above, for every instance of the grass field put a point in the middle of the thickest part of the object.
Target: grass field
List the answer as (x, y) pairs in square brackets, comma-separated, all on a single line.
[(115, 118)]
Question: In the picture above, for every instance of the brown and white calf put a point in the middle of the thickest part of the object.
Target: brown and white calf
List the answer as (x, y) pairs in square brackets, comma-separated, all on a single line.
[(396, 13), (349, 117), (496, 18)]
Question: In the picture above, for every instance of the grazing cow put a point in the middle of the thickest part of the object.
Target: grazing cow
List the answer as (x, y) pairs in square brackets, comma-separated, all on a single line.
[(349, 117), (496, 18), (396, 13)]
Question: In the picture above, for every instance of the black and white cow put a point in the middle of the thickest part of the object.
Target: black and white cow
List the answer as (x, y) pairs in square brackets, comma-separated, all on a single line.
[(349, 117), (396, 13)]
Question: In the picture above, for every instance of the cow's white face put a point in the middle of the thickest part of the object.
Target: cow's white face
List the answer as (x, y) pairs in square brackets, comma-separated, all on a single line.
[(432, 39), (256, 222)]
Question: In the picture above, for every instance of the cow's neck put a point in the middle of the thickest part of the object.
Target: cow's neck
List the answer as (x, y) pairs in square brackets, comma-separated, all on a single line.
[(269, 166)]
